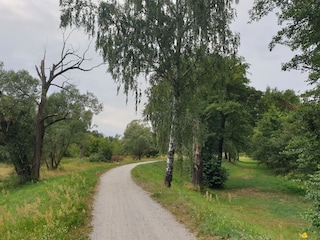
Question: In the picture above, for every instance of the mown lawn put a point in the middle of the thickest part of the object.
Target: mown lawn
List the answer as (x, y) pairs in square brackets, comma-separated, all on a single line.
[(253, 205)]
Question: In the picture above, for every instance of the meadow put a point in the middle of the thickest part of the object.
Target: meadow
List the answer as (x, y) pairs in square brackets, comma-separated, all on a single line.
[(254, 204), (57, 207)]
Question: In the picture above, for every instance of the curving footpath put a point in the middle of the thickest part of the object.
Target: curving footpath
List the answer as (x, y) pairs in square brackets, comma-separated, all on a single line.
[(124, 211)]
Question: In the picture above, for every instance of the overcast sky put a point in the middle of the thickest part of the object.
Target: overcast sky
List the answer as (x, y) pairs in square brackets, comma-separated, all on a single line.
[(30, 28)]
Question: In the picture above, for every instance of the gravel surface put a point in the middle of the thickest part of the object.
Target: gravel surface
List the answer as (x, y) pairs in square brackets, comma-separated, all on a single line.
[(124, 211)]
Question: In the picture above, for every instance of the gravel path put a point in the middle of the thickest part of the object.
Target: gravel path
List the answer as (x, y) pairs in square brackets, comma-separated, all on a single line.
[(124, 211)]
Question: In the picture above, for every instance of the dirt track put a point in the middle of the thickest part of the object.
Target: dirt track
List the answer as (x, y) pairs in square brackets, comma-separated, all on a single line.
[(123, 211)]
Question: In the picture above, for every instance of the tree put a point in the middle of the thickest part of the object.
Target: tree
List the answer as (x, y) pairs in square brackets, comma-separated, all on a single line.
[(153, 37), (217, 85), (71, 104), (313, 193), (18, 92), (100, 148), (304, 146), (137, 139), (274, 130), (22, 88), (225, 115), (116, 146), (300, 31), (70, 60)]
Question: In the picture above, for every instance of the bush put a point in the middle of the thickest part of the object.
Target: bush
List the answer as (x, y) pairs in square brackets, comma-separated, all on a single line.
[(313, 193), (106, 152), (104, 155), (213, 175), (152, 152), (72, 151)]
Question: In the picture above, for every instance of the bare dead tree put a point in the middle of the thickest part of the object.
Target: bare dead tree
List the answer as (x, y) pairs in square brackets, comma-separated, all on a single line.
[(69, 60)]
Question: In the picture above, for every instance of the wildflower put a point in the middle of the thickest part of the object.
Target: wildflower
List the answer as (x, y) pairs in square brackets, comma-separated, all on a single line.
[(304, 235)]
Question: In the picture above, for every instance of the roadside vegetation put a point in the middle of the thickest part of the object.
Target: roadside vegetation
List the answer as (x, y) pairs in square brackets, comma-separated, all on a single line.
[(254, 204), (57, 207)]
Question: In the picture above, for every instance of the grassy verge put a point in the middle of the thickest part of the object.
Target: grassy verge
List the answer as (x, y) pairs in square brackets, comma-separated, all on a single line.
[(253, 205), (57, 207)]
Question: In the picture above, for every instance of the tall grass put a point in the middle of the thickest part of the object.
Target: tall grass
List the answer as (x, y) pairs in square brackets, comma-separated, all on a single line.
[(57, 207), (253, 205)]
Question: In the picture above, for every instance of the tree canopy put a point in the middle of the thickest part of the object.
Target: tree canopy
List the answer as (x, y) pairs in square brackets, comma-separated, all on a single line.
[(20, 100), (158, 38), (137, 139), (300, 31)]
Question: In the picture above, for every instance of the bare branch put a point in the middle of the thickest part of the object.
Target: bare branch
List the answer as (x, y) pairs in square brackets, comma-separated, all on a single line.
[(64, 118), (50, 116)]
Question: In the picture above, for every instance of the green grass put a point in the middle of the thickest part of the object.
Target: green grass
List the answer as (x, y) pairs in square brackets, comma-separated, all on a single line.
[(57, 207), (253, 205)]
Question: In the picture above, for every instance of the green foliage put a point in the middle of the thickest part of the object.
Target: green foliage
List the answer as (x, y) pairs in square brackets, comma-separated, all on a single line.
[(213, 175), (18, 91), (101, 156), (137, 139), (116, 144), (100, 149), (313, 193), (137, 37), (226, 114), (57, 208), (158, 112), (303, 146), (72, 151), (56, 142), (164, 39), (288, 141), (274, 130), (300, 31)]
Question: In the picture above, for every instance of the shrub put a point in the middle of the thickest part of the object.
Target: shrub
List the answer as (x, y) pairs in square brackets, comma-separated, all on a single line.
[(104, 155), (313, 193), (213, 175)]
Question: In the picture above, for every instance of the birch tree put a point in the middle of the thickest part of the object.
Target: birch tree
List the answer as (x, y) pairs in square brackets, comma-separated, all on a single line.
[(151, 37)]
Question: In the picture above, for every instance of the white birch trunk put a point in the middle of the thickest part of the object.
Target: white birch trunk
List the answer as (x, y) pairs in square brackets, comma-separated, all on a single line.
[(170, 157)]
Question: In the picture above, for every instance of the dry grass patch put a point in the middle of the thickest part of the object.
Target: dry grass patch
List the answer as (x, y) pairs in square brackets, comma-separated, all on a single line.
[(5, 170)]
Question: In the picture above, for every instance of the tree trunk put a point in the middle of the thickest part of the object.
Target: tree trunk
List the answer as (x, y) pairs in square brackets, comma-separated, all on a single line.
[(81, 152), (221, 138), (170, 157), (35, 172), (40, 128), (169, 166), (197, 167)]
